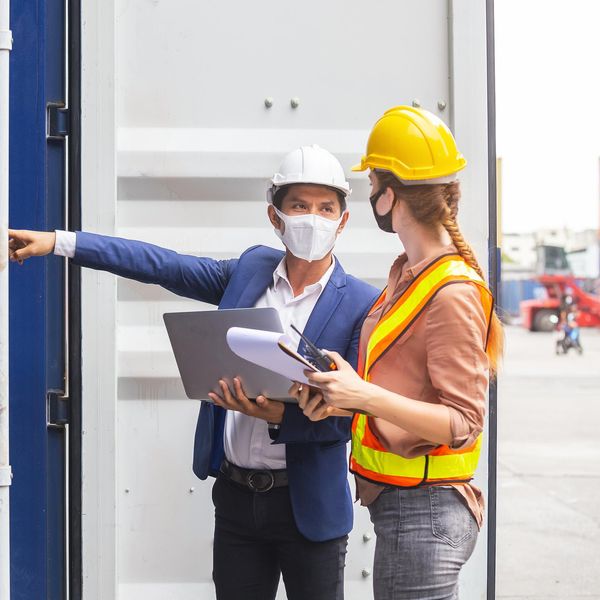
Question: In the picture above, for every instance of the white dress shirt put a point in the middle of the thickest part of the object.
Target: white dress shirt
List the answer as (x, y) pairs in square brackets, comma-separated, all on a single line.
[(246, 439), (65, 243)]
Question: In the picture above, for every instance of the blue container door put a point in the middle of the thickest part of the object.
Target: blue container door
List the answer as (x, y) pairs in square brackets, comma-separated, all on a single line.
[(37, 306)]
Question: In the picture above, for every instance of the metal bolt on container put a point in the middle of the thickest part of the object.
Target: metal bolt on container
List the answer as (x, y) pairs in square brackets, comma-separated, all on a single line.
[(295, 102), (269, 102), (416, 103), (441, 105), (366, 536), (365, 573)]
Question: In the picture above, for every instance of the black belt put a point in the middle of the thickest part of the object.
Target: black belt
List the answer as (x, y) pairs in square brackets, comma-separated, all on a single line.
[(256, 480)]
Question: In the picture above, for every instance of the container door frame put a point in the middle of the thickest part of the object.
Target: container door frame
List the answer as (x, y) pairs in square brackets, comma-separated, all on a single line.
[(473, 120)]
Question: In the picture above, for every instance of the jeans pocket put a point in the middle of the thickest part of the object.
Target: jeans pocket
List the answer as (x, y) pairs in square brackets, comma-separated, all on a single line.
[(451, 521)]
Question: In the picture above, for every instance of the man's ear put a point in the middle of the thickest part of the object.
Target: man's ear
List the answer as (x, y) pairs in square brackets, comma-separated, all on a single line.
[(343, 222), (274, 217)]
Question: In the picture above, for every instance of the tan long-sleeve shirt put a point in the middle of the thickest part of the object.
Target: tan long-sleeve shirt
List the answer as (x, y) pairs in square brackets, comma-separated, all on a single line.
[(441, 360)]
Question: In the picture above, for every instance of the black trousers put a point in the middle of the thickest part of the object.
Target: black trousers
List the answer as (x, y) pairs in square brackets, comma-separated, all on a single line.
[(256, 541)]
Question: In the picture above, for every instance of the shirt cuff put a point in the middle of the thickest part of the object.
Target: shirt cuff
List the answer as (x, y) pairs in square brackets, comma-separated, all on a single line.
[(464, 433), (65, 243)]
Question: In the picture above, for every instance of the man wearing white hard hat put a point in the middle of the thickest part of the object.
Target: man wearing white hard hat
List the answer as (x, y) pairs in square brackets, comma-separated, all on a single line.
[(282, 502)]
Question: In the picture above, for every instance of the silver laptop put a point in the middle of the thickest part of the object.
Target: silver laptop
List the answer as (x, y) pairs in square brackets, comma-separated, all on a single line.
[(203, 356)]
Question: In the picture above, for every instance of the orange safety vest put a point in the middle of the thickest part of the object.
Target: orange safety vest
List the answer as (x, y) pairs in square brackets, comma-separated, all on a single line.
[(369, 458)]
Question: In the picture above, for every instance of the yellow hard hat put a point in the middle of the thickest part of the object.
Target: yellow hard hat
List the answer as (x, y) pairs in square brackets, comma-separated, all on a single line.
[(414, 145)]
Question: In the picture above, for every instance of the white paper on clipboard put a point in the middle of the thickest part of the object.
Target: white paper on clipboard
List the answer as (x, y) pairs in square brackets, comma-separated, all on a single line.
[(264, 348)]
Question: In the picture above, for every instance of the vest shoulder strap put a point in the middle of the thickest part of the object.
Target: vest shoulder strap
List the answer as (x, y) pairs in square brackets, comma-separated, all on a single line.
[(445, 270)]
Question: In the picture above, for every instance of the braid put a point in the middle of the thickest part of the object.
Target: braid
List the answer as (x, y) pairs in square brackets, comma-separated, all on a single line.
[(463, 248), (495, 344), (431, 205), (452, 196)]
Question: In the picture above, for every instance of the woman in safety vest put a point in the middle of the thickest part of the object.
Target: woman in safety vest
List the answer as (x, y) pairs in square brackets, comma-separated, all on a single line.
[(425, 354)]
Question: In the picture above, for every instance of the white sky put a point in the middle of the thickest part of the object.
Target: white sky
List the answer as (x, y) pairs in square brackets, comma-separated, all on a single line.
[(548, 112)]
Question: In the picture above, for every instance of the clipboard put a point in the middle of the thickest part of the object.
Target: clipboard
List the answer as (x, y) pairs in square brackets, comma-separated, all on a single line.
[(271, 351)]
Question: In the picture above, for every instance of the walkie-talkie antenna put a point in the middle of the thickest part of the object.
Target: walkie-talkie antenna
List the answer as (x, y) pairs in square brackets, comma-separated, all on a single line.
[(317, 357), (313, 349)]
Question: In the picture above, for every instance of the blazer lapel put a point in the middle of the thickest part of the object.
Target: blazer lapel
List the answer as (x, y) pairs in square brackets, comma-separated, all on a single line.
[(326, 305), (260, 280)]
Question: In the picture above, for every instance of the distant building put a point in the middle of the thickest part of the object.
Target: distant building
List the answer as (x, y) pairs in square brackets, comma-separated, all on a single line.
[(585, 262), (518, 252), (520, 256)]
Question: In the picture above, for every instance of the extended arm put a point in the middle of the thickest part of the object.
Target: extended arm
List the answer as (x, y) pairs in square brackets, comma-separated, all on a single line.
[(198, 278)]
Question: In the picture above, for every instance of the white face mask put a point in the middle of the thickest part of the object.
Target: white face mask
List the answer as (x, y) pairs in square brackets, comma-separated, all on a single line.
[(309, 237)]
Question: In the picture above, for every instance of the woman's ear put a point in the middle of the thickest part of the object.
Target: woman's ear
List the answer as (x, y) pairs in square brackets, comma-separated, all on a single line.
[(386, 201), (402, 216)]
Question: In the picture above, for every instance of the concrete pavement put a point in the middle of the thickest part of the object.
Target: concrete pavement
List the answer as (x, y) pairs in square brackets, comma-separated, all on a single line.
[(549, 469)]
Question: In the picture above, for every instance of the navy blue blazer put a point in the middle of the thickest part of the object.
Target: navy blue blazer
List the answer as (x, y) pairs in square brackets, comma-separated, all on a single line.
[(315, 452)]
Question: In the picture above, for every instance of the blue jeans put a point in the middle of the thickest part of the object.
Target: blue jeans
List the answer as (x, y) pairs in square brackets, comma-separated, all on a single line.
[(424, 536)]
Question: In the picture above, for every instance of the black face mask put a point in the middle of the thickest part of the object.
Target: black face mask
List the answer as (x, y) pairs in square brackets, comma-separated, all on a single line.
[(384, 222)]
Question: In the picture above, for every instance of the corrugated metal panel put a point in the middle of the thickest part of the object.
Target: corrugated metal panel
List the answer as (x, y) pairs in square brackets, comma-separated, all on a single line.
[(195, 148)]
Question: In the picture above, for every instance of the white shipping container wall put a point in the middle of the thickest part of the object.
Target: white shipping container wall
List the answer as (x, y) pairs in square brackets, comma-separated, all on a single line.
[(178, 146)]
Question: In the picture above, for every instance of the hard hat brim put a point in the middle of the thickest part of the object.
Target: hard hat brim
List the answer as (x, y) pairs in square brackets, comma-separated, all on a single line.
[(369, 162), (344, 189)]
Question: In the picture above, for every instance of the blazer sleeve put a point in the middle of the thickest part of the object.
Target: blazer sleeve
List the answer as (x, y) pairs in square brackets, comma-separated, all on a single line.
[(203, 279), (296, 427)]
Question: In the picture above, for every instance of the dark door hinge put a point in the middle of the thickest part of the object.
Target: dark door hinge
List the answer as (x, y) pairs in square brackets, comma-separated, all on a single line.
[(57, 121), (58, 408)]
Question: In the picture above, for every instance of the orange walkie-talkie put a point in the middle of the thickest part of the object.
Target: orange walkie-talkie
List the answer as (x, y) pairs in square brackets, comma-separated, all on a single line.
[(323, 363), (315, 356)]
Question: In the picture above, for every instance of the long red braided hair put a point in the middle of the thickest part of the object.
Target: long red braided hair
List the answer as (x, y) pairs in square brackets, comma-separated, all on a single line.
[(435, 204)]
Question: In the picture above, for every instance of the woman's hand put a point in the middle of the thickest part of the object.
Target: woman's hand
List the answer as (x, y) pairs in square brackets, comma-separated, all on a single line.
[(343, 388), (23, 244), (267, 410), (311, 402)]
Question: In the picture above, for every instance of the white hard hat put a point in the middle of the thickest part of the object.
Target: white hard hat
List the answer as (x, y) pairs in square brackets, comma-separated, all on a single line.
[(310, 164)]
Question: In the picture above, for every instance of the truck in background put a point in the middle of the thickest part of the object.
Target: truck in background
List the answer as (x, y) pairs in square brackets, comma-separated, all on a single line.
[(555, 279), (541, 314)]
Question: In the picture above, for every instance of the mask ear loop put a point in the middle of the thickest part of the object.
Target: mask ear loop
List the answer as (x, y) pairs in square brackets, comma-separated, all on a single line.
[(374, 198), (281, 217), (380, 193), (339, 222)]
